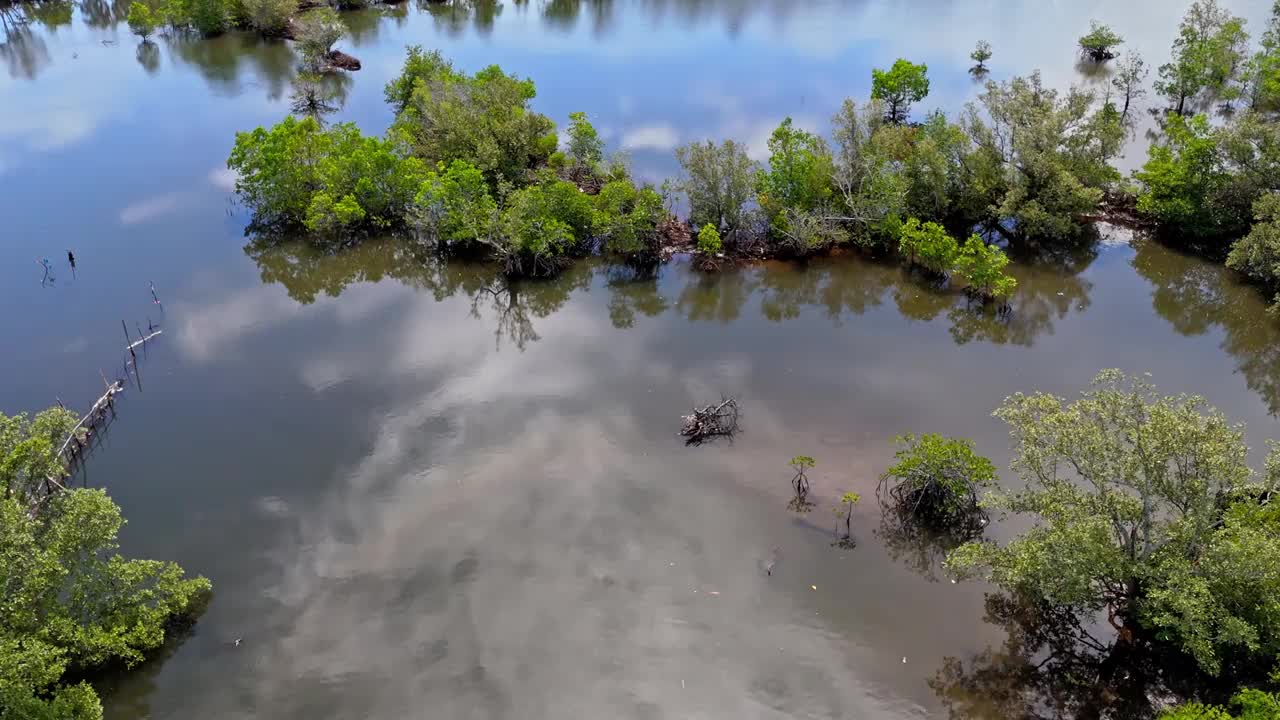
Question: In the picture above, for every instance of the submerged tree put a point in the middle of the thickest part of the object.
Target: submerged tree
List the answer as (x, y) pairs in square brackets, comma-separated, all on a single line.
[(800, 483), (844, 511), (981, 54), (1145, 508), (981, 267), (1099, 45), (900, 86), (935, 481), (1207, 56), (141, 21)]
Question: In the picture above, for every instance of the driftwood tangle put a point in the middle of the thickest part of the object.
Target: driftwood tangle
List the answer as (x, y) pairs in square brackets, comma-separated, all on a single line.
[(715, 420)]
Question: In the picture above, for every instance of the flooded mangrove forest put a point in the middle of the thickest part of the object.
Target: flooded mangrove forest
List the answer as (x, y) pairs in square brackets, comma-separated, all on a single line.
[(547, 437)]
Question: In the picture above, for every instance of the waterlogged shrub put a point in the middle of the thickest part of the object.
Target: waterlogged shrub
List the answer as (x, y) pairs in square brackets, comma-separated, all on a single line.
[(1257, 255), (981, 267), (709, 240), (141, 20), (542, 226), (936, 481), (626, 219), (298, 174), (928, 245)]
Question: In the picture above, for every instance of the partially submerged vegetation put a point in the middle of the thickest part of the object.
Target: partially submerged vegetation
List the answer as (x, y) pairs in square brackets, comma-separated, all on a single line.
[(1146, 512), (71, 604), (1026, 167)]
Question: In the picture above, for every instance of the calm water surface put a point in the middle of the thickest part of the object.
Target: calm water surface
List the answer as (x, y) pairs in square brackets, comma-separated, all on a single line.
[(421, 491)]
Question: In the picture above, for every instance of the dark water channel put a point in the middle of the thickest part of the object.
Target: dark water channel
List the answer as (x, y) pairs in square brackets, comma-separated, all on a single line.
[(422, 492)]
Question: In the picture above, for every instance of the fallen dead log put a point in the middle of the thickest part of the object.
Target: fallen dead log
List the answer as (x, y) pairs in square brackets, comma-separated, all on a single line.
[(710, 422)]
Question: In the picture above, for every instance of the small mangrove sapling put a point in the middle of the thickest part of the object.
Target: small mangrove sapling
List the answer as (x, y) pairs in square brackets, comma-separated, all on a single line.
[(800, 482)]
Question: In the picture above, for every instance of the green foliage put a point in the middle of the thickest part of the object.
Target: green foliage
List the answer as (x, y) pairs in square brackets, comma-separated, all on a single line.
[(210, 17), (298, 174), (1129, 81), (318, 30), (70, 604), (719, 181), (802, 463), (1143, 506), (928, 245), (29, 450), (1249, 703), (800, 171), (1041, 159), (141, 21), (1208, 55), (870, 186), (981, 53), (981, 267), (1100, 42), (454, 207), (422, 67), (484, 119), (850, 499), (1257, 255), (709, 240), (585, 147), (937, 479), (542, 225), (1263, 69), (626, 219), (899, 86), (1193, 184), (797, 188), (269, 17)]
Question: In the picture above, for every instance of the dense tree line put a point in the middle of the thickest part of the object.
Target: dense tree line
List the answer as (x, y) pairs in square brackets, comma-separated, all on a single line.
[(71, 605), (471, 167)]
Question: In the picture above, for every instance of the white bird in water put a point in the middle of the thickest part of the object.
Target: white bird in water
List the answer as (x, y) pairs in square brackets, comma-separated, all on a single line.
[(237, 642)]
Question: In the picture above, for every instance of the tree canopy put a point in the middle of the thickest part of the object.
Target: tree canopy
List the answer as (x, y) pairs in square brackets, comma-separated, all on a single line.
[(71, 604), (1100, 43), (900, 86), (1144, 507)]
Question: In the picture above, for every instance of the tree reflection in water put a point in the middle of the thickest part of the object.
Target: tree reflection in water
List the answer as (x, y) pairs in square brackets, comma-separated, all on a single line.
[(24, 51), (307, 272), (633, 290), (453, 17), (1196, 296), (1052, 668), (224, 60)]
